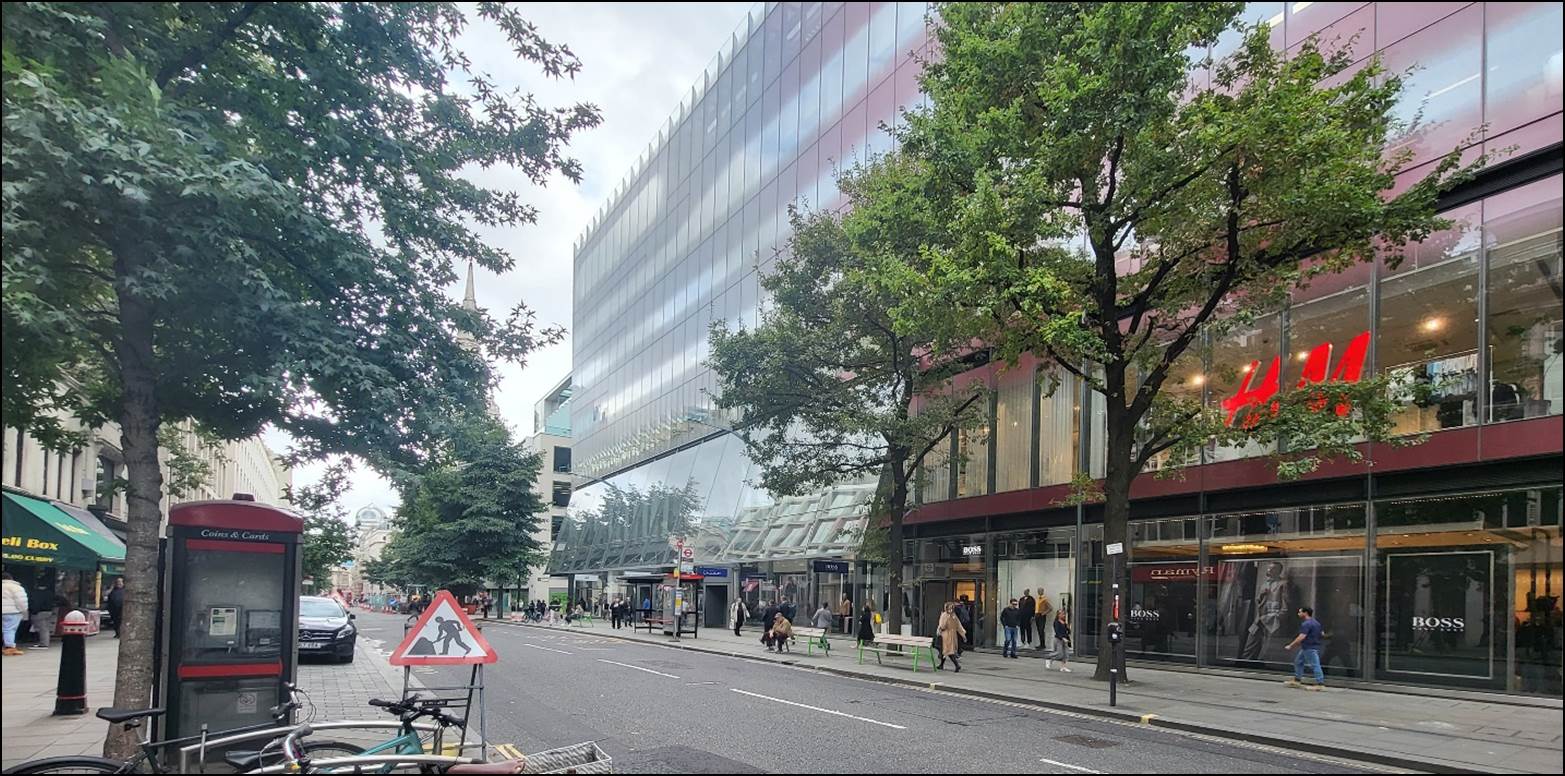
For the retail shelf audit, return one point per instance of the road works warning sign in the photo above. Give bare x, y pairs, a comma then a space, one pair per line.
443, 636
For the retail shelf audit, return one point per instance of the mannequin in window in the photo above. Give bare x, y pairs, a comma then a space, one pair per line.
1271, 605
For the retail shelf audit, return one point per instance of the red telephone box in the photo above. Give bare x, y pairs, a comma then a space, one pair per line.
233, 619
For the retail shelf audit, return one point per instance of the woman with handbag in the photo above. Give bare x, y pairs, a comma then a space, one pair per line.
951, 634
1062, 641
867, 624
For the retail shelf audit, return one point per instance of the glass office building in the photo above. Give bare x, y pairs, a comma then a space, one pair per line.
1438, 563
798, 92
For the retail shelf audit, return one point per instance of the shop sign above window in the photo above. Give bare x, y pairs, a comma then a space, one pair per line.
1257, 395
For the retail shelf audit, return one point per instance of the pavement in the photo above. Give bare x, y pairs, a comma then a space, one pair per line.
1422, 732
29, 731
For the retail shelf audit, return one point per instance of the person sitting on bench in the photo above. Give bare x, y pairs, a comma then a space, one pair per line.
777, 636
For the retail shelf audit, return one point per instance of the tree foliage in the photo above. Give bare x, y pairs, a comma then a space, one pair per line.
328, 539
471, 516
1111, 215
245, 213
829, 387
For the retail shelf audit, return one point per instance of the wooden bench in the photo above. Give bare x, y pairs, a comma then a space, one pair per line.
897, 645
813, 637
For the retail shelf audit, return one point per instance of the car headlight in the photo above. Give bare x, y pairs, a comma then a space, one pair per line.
345, 631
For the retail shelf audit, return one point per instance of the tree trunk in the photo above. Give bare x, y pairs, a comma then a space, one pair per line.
1116, 529
897, 505
139, 421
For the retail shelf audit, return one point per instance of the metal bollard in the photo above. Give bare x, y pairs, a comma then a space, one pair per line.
70, 695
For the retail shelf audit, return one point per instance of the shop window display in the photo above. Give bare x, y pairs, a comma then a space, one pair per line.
1526, 331
1037, 564
1466, 581
1427, 337
1160, 618
1265, 565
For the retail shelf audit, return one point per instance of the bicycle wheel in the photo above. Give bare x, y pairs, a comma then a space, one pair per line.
81, 764
316, 750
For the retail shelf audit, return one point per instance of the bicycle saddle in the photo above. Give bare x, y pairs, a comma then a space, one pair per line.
518, 765
125, 715
243, 760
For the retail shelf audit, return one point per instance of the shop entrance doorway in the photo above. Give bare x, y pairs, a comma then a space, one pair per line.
935, 595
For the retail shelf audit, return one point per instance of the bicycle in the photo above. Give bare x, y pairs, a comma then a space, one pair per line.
298, 759
408, 741
150, 760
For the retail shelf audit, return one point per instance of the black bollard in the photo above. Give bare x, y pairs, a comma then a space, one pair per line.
70, 697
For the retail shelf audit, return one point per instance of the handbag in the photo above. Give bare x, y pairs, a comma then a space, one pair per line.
877, 618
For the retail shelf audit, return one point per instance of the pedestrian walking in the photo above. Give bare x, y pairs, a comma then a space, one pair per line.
1308, 643
823, 618
789, 609
769, 612
949, 635
485, 603
1010, 619
964, 613
737, 613
845, 614
1062, 642
43, 620
117, 604
13, 609
1027, 611
867, 624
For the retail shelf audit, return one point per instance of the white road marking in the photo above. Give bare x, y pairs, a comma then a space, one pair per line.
817, 708
546, 649
1067, 765
638, 668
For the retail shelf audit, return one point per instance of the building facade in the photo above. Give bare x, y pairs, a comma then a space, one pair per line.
798, 91
1434, 564
85, 477
551, 439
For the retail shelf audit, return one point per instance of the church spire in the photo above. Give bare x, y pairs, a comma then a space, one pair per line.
470, 300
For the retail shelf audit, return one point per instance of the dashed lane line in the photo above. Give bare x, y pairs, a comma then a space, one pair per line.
817, 708
638, 668
1067, 765
546, 649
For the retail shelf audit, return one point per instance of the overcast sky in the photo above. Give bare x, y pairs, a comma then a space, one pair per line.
638, 61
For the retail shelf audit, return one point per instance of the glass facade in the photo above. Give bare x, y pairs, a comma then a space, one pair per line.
1459, 590
1469, 328
798, 92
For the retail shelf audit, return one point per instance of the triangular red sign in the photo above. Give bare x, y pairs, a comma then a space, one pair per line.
443, 636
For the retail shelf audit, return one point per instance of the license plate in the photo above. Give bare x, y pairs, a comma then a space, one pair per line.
313, 645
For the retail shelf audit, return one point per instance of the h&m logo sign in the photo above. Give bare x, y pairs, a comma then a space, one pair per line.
1440, 624
1259, 395
30, 543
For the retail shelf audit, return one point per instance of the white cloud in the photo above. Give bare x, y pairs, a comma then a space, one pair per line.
639, 61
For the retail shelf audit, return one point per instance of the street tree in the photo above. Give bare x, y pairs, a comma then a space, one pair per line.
328, 538
829, 387
245, 213
471, 515
1111, 215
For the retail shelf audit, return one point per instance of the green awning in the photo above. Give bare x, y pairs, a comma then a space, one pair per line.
37, 533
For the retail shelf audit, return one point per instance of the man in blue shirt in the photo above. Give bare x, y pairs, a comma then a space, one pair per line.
1309, 642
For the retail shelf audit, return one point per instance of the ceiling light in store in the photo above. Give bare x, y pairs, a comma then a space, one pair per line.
1432, 324
1239, 548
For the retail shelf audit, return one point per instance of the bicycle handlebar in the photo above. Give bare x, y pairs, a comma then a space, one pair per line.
291, 749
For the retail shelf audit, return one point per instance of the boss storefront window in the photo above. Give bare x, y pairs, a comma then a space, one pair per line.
1468, 590
1265, 565
1161, 618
